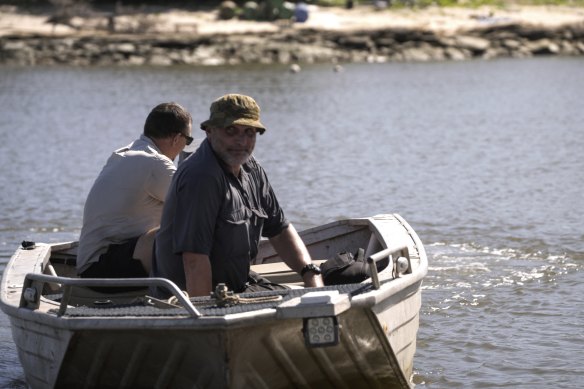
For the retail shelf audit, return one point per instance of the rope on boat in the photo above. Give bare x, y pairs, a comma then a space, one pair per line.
223, 297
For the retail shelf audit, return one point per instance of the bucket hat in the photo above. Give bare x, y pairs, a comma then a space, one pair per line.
234, 109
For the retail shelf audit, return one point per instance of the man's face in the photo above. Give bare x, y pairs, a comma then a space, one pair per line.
233, 144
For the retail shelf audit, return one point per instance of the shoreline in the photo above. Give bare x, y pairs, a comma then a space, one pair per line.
333, 35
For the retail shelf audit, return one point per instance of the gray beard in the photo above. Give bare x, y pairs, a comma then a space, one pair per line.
234, 161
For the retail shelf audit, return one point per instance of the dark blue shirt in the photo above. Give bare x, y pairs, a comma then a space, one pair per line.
210, 211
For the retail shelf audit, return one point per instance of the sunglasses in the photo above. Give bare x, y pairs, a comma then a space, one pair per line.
188, 138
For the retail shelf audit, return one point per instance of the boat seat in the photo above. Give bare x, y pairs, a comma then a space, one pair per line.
280, 273
90, 297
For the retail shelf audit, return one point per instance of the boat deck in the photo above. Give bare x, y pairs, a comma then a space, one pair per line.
207, 306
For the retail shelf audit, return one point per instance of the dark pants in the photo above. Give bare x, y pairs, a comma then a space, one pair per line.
117, 262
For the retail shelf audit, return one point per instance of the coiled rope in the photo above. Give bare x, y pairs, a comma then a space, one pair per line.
223, 297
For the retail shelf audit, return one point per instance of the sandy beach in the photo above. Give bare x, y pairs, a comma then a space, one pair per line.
364, 17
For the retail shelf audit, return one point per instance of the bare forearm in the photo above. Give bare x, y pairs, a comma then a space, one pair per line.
291, 249
294, 253
197, 274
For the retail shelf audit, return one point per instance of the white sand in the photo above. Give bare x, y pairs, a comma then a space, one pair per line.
362, 17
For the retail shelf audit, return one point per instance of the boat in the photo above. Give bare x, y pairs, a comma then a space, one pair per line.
354, 335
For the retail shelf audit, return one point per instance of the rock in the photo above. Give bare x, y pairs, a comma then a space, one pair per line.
14, 46
291, 45
126, 48
511, 43
356, 42
535, 33
216, 61
567, 48
159, 60
577, 31
384, 42
284, 56
415, 54
542, 47
205, 53
134, 60
472, 43
455, 54
17, 53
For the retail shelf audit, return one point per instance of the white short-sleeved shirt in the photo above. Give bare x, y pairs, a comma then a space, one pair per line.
126, 199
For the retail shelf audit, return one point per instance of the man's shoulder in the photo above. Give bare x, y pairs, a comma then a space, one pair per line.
144, 150
152, 160
203, 159
200, 166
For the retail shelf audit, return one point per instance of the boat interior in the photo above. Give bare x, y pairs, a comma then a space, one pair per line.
68, 295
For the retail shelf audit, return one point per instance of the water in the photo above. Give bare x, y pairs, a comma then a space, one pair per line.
482, 158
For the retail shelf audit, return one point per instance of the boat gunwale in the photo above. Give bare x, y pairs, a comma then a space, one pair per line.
176, 321
367, 300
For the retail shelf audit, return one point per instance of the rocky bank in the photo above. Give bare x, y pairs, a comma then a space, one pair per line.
483, 35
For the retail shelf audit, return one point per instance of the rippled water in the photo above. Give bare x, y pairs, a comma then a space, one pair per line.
483, 158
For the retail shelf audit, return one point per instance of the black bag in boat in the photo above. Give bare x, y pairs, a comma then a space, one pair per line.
257, 283
346, 268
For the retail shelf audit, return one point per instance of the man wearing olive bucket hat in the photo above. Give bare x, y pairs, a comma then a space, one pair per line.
218, 207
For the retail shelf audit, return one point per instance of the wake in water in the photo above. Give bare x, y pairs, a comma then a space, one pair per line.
499, 317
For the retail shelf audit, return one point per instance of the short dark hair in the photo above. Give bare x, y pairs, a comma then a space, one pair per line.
167, 119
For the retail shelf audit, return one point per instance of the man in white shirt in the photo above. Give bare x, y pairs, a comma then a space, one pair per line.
124, 206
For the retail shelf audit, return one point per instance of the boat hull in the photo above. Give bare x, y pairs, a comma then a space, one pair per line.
273, 355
